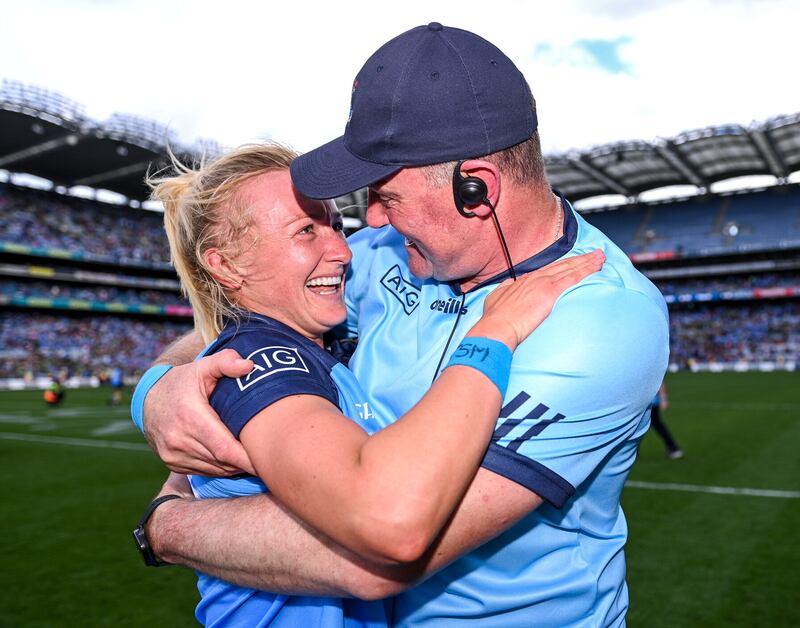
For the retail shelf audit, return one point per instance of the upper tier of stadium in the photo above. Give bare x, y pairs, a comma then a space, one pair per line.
47, 135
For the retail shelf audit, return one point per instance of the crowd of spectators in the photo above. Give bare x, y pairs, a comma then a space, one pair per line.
44, 219
764, 331
729, 283
34, 344
87, 292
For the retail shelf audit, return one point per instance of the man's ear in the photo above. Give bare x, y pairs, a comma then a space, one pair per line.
489, 173
222, 269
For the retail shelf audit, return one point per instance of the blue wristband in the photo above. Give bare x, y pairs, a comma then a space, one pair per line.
490, 357
148, 380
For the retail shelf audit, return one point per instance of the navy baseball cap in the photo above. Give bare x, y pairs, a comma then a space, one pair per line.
431, 95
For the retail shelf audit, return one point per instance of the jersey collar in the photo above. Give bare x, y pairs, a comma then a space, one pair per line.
246, 320
556, 250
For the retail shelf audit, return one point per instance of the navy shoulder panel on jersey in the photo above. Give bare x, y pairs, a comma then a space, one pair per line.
532, 475
285, 363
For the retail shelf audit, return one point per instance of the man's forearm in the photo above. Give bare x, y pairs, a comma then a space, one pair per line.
255, 542
181, 351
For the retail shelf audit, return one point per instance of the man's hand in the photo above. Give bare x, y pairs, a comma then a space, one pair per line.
517, 307
181, 426
176, 484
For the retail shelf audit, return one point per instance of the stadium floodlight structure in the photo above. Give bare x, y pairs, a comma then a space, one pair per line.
206, 149
127, 131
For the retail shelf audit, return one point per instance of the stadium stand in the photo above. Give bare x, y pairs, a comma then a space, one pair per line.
43, 220
765, 334
744, 219
708, 225
86, 286
728, 269
35, 346
728, 311
95, 294
74, 256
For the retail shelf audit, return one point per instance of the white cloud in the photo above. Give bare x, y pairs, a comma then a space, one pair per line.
248, 70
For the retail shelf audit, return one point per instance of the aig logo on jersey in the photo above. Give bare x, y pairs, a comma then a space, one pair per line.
270, 360
401, 289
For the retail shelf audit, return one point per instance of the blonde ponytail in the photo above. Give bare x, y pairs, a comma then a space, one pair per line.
201, 212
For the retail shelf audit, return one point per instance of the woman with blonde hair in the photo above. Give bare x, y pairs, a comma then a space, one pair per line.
264, 269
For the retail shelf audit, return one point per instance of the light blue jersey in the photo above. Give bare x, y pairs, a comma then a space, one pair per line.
572, 418
115, 378
286, 364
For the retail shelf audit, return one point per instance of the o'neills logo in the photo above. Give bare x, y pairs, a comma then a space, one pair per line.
448, 306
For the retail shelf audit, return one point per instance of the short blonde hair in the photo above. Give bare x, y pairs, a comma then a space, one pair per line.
203, 210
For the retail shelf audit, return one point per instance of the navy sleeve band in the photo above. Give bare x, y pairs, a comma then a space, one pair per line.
239, 414
529, 473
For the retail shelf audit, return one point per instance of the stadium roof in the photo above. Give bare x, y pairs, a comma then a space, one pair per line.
700, 157
47, 135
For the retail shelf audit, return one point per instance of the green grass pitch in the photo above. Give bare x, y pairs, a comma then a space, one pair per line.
694, 558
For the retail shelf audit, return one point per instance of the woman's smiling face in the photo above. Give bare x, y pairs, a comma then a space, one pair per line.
295, 270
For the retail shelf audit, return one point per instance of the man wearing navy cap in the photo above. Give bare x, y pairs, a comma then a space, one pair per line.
443, 131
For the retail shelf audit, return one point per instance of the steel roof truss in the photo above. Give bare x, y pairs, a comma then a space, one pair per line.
615, 186
39, 149
768, 152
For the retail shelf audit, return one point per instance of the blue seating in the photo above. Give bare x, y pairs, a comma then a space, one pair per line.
718, 224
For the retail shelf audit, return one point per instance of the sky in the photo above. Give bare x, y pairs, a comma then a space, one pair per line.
602, 71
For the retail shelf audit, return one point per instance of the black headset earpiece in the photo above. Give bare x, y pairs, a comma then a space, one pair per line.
473, 191
468, 191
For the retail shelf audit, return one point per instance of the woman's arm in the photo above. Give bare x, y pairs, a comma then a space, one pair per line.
387, 496
194, 440
384, 497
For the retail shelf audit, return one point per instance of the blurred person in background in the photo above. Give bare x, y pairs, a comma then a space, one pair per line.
55, 392
659, 403
116, 381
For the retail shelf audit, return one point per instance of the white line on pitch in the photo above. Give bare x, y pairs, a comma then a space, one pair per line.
717, 490
78, 442
691, 488
115, 427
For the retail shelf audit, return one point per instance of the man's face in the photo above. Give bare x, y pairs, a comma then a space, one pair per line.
427, 217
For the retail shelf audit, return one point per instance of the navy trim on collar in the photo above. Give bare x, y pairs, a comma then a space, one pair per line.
253, 321
556, 250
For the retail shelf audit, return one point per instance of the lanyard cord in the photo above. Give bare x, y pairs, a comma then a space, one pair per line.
452, 331
503, 244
